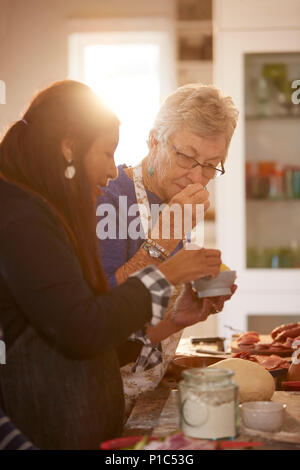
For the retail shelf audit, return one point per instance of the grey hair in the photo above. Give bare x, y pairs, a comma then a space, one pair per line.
201, 109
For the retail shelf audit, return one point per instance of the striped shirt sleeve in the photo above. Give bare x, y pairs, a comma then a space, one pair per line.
11, 438
161, 291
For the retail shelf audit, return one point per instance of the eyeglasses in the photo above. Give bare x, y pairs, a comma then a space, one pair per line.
188, 163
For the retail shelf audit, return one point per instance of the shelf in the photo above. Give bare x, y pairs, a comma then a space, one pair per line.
195, 64
191, 71
274, 269
273, 118
202, 26
272, 200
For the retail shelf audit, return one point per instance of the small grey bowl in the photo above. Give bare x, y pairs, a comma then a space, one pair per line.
265, 416
220, 285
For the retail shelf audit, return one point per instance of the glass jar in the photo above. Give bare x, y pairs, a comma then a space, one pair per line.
208, 404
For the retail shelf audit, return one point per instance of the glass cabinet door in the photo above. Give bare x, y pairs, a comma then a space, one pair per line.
272, 154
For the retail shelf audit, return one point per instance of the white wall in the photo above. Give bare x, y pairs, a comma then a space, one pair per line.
33, 41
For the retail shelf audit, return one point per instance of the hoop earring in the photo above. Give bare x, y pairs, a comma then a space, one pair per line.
70, 171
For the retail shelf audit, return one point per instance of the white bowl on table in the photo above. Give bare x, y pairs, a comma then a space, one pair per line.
262, 415
213, 287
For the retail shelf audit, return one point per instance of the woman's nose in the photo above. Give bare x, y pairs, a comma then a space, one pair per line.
196, 175
113, 171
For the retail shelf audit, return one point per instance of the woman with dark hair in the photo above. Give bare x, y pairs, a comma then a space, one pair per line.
62, 326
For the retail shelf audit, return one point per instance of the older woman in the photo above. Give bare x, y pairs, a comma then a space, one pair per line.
188, 145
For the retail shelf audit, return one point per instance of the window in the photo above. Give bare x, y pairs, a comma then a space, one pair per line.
132, 71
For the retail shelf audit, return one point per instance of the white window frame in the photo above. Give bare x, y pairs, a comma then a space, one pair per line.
161, 31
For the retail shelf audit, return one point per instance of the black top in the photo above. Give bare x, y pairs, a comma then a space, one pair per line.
60, 338
41, 283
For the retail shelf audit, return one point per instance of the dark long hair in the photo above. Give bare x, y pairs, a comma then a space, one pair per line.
31, 157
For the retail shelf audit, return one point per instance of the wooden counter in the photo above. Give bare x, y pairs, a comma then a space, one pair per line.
156, 413
147, 410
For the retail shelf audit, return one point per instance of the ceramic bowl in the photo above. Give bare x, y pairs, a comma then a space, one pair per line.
220, 285
262, 415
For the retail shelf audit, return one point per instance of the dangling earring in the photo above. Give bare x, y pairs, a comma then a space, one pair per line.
150, 171
70, 171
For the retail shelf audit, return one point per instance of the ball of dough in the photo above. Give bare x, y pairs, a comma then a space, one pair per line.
254, 381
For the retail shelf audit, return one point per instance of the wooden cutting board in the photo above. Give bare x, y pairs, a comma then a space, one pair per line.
264, 352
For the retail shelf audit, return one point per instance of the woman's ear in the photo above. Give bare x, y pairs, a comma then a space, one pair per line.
67, 150
153, 143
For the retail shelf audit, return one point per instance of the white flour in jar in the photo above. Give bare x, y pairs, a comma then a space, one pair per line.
205, 421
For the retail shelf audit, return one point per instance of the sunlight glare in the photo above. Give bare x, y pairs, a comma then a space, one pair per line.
126, 77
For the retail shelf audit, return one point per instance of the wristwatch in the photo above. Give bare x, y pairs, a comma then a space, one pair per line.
155, 250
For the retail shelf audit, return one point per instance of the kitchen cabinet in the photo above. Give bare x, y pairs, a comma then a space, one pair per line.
194, 38
258, 227
194, 51
193, 26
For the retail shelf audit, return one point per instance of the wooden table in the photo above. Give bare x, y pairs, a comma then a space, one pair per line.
156, 413
148, 408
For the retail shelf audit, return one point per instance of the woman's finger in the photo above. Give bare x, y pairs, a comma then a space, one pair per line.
213, 261
193, 191
204, 310
188, 287
211, 252
234, 288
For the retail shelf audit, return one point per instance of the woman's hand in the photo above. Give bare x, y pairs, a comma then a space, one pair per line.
189, 309
189, 198
188, 265
183, 218
194, 193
